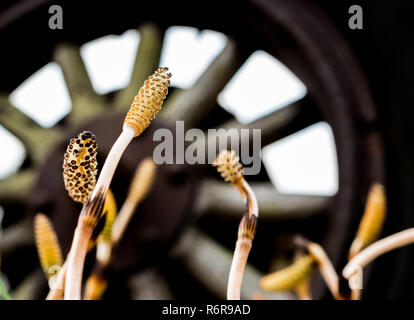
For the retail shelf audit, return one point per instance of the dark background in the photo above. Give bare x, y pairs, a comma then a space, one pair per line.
384, 48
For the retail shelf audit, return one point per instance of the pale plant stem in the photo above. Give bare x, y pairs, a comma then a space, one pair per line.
241, 253
326, 269
112, 160
355, 283
56, 293
302, 290
243, 244
252, 201
84, 233
378, 248
122, 220
75, 263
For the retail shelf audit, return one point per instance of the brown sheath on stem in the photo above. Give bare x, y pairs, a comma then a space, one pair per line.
88, 219
247, 230
231, 170
143, 109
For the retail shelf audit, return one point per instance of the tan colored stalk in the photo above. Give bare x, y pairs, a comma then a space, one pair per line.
58, 283
49, 253
247, 230
143, 109
372, 220
57, 286
47, 245
139, 188
303, 290
95, 286
290, 277
369, 229
325, 266
376, 249
326, 269
231, 170
356, 292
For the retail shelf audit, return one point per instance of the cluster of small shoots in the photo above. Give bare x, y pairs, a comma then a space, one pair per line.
369, 229
115, 227
79, 175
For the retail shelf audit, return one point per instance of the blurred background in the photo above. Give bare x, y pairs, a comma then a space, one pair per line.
332, 103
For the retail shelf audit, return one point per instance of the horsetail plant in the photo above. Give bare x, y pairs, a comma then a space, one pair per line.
143, 109
324, 264
140, 186
369, 229
377, 249
231, 170
79, 176
48, 248
290, 277
96, 283
372, 220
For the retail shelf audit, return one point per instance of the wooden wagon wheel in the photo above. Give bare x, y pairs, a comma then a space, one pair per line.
180, 226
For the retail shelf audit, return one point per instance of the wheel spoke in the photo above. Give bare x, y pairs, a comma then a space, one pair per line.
193, 104
30, 287
16, 187
210, 263
283, 122
17, 236
146, 61
222, 199
36, 139
150, 285
274, 126
86, 103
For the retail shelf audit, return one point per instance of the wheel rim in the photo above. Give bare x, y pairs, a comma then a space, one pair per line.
309, 46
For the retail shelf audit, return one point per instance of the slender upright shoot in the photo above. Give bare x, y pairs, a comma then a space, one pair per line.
139, 188
324, 265
372, 220
290, 277
231, 170
143, 109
